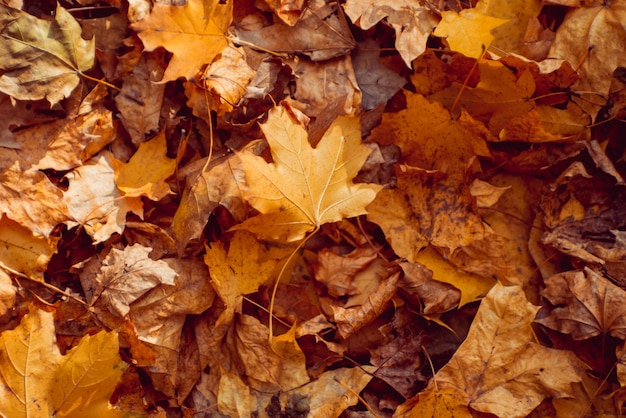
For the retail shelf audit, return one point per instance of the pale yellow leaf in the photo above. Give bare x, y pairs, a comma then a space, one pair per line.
305, 187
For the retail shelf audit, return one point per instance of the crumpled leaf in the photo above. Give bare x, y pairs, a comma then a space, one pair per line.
195, 34
333, 392
319, 34
146, 172
586, 305
305, 187
95, 202
123, 277
42, 59
412, 21
204, 191
468, 32
498, 369
281, 363
39, 381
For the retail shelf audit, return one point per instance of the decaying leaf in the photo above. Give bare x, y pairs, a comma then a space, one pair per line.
412, 21
42, 59
39, 381
305, 187
586, 305
498, 369
124, 277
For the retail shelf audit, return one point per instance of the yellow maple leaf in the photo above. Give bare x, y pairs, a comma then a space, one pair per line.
468, 32
195, 34
147, 170
37, 381
237, 271
305, 187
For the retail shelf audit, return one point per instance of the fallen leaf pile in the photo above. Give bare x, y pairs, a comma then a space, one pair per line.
237, 208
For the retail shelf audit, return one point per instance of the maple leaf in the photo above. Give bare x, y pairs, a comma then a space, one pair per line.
468, 32
147, 170
587, 305
238, 271
305, 187
498, 369
194, 33
38, 381
41, 58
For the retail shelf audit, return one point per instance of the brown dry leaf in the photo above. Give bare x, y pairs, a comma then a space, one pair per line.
17, 113
586, 305
319, 84
159, 314
331, 394
319, 33
486, 194
237, 271
228, 77
413, 22
429, 295
279, 365
399, 358
39, 382
23, 253
94, 201
30, 199
583, 214
140, 100
147, 171
498, 369
123, 277
377, 82
582, 40
305, 187
42, 59
337, 271
204, 191
351, 317
195, 34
